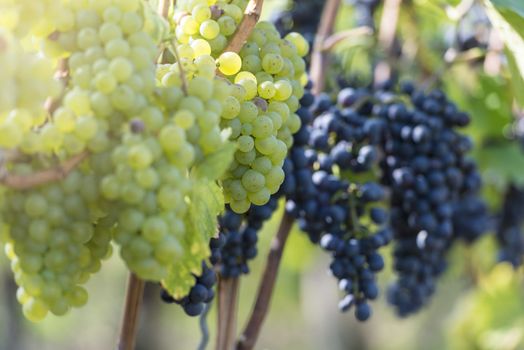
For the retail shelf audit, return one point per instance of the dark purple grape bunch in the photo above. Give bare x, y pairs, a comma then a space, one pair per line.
510, 235
426, 167
239, 237
330, 209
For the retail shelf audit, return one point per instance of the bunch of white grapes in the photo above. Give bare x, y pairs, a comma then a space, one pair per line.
140, 135
155, 117
52, 243
266, 81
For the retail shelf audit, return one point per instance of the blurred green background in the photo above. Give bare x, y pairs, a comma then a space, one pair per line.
478, 304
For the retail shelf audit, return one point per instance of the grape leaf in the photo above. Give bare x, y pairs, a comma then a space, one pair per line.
215, 165
206, 201
503, 163
516, 6
511, 27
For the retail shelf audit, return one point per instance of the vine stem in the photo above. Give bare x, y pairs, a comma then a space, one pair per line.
319, 58
204, 329
227, 312
386, 38
133, 301
336, 38
266, 286
250, 19
163, 8
24, 182
62, 75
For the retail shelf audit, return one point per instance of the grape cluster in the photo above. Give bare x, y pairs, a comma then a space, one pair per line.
509, 227
266, 84
331, 210
269, 90
239, 234
213, 22
426, 167
139, 132
52, 242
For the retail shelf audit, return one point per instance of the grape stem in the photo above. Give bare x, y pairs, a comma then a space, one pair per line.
227, 312
265, 289
174, 50
336, 38
319, 57
250, 19
204, 329
24, 182
134, 294
62, 75
163, 8
386, 38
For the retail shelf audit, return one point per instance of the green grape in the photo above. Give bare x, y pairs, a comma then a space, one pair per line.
300, 43
272, 63
260, 197
283, 90
262, 127
227, 25
209, 29
266, 90
245, 143
229, 63
253, 181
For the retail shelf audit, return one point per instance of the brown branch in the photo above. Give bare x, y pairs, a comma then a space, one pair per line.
163, 8
265, 289
336, 38
23, 182
62, 75
386, 38
250, 19
319, 58
227, 312
174, 50
134, 294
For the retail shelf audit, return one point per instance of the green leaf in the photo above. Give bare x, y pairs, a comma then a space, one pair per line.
207, 201
513, 5
215, 165
511, 27
503, 163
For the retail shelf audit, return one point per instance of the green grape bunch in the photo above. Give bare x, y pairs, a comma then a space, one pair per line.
266, 80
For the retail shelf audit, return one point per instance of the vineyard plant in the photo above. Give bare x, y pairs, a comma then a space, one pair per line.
337, 174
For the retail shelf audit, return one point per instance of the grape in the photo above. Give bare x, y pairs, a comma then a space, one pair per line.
229, 63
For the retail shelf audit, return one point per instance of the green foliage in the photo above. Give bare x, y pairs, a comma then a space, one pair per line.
491, 317
512, 5
502, 164
511, 27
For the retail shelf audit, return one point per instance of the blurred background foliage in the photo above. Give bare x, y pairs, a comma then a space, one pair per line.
479, 303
